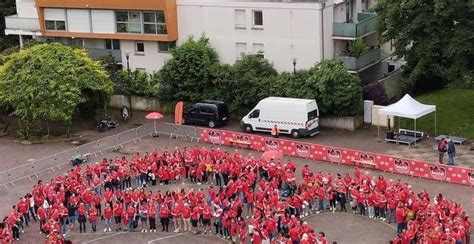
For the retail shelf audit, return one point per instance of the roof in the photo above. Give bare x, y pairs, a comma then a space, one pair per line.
408, 107
287, 100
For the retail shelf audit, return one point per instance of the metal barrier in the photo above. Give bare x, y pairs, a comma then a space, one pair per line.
95, 149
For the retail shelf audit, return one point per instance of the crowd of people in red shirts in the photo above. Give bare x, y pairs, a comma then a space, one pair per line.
246, 199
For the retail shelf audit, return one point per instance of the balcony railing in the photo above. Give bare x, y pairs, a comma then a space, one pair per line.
14, 22
357, 63
99, 52
367, 22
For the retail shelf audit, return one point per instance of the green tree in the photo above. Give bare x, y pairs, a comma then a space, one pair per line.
434, 37
338, 92
252, 79
190, 72
7, 7
48, 82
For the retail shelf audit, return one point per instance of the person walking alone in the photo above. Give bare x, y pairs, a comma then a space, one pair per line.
441, 149
451, 149
275, 131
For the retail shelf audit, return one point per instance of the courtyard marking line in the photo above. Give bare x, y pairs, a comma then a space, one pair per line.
166, 237
104, 237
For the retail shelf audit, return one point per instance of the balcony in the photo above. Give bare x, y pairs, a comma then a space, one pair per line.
366, 24
356, 64
15, 24
99, 52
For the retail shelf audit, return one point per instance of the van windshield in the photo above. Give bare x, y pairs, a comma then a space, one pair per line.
313, 114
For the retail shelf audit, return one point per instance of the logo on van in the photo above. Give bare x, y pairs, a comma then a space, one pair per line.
334, 155
271, 144
214, 137
302, 150
401, 166
438, 172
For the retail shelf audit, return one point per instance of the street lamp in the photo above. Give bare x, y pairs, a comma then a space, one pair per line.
294, 66
127, 56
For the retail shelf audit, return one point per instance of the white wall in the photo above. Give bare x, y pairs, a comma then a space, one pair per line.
290, 30
151, 61
26, 9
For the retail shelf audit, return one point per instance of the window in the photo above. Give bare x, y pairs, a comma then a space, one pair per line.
128, 22
240, 50
257, 18
75, 42
255, 114
313, 114
240, 21
112, 44
58, 25
258, 49
206, 110
166, 46
154, 22
140, 48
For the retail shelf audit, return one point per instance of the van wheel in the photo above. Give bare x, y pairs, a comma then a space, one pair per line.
211, 124
295, 134
248, 128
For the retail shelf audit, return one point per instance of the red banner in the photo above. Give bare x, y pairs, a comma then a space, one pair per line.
415, 168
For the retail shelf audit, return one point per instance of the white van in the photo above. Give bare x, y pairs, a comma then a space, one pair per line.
297, 117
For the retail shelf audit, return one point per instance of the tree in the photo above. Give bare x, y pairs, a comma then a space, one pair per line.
434, 37
338, 92
137, 83
7, 7
252, 79
190, 72
48, 81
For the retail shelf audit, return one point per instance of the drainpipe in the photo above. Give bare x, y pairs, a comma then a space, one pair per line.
322, 30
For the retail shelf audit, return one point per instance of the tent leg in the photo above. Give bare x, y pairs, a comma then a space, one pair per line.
415, 132
436, 133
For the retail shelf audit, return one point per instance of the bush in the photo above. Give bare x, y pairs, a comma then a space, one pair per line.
375, 92
251, 81
137, 83
338, 92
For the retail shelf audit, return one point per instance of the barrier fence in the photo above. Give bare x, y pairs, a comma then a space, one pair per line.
386, 163
94, 150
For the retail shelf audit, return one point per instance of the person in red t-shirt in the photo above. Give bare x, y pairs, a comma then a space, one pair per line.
118, 209
108, 218
152, 215
165, 217
186, 214
93, 219
400, 217
176, 213
81, 212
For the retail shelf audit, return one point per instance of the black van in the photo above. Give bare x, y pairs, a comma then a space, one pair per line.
209, 112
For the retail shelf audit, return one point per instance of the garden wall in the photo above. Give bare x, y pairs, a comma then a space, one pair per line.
345, 123
138, 103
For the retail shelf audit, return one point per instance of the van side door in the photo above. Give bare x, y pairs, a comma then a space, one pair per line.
254, 119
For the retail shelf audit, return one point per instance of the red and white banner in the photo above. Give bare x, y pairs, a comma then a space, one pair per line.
415, 168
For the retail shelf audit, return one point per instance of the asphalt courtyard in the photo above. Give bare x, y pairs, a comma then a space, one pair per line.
340, 227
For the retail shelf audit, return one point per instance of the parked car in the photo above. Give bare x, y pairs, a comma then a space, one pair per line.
209, 112
294, 116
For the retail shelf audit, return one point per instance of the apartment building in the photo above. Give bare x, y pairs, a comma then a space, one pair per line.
293, 34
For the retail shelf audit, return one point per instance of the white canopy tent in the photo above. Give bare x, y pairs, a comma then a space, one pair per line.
407, 107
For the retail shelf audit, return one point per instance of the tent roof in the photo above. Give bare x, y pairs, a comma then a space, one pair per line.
408, 107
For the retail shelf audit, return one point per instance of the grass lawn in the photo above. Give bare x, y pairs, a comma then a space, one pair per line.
455, 113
